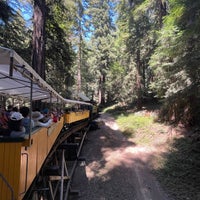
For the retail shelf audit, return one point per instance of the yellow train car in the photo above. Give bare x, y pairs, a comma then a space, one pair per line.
72, 117
22, 159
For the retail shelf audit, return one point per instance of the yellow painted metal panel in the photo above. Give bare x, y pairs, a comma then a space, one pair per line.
31, 152
41, 147
37, 152
16, 154
10, 169
76, 116
23, 173
20, 163
53, 133
66, 117
4, 190
2, 154
29, 160
12, 159
6, 167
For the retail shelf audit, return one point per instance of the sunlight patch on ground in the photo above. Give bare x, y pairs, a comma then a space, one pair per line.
124, 157
92, 169
112, 125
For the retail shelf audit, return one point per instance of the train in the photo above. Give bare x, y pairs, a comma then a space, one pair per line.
35, 167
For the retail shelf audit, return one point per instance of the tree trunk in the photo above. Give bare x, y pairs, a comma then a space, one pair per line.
5, 11
162, 6
38, 53
102, 89
139, 80
79, 64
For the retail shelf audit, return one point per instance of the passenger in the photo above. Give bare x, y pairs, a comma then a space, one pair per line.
15, 109
9, 111
37, 118
26, 121
15, 125
54, 115
3, 119
45, 112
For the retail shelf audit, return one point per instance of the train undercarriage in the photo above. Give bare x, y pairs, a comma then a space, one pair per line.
54, 179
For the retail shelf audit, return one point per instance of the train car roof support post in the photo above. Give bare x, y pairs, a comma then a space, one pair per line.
11, 64
31, 98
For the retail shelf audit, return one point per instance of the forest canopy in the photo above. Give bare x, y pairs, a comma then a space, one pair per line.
125, 51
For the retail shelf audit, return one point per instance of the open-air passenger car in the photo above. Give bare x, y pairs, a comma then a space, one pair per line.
21, 159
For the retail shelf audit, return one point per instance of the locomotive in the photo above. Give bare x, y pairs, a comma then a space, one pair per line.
35, 167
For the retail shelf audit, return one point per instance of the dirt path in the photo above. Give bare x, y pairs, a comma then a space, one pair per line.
115, 168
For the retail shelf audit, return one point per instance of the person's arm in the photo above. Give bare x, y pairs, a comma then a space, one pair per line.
41, 124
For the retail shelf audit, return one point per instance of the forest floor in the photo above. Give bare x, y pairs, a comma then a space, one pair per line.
115, 167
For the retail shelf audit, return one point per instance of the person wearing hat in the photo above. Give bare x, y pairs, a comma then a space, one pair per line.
15, 125
26, 121
37, 117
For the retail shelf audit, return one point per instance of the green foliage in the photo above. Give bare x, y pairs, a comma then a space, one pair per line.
140, 126
136, 125
179, 171
59, 53
133, 121
15, 34
175, 62
115, 76
148, 46
101, 44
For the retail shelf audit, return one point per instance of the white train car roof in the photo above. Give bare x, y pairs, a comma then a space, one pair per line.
17, 79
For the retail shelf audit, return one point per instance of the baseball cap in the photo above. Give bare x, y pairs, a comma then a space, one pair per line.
16, 116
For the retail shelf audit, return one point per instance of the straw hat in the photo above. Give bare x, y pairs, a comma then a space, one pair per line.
37, 115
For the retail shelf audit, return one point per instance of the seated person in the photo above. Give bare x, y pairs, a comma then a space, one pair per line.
9, 111
3, 123
45, 112
3, 119
38, 117
15, 125
54, 115
26, 121
15, 109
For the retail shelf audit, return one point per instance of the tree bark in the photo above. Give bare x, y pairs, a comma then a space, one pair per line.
139, 80
38, 53
162, 6
79, 86
102, 89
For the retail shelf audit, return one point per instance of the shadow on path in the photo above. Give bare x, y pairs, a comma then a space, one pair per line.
115, 168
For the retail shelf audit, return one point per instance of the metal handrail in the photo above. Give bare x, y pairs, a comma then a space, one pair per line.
26, 177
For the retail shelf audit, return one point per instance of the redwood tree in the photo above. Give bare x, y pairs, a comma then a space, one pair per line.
38, 53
